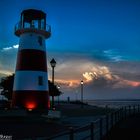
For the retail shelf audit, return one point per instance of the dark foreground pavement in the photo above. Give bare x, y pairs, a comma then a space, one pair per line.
29, 127
128, 129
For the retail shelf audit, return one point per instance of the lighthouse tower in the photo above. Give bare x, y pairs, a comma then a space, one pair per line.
30, 89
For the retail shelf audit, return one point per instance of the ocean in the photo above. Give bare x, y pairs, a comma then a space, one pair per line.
113, 103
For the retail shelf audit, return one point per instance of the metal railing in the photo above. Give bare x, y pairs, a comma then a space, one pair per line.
96, 129
19, 26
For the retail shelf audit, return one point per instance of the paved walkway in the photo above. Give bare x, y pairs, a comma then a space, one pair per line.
128, 129
36, 126
79, 121
26, 127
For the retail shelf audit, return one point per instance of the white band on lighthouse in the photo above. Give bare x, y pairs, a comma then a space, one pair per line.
32, 41
31, 80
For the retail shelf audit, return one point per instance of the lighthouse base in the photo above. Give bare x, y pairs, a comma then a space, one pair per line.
31, 100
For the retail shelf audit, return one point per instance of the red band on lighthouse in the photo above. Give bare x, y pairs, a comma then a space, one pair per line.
34, 60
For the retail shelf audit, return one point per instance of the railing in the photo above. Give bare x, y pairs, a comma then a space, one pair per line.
96, 129
19, 26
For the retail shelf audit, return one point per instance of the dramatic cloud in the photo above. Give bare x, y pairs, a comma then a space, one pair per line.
100, 77
89, 76
98, 71
106, 79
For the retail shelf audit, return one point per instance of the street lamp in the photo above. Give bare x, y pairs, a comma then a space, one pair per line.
58, 95
82, 83
53, 64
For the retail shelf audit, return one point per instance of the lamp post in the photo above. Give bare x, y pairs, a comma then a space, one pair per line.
53, 64
58, 95
82, 93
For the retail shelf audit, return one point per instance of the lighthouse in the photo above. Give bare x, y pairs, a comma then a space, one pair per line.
30, 89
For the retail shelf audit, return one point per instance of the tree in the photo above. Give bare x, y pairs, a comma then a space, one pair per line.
53, 89
7, 85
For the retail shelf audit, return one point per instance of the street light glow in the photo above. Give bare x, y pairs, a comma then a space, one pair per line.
58, 87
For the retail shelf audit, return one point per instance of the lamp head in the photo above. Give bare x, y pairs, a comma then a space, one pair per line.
53, 62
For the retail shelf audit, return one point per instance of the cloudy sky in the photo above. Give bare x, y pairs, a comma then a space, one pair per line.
97, 41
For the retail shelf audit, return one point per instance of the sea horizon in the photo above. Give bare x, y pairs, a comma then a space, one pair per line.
113, 103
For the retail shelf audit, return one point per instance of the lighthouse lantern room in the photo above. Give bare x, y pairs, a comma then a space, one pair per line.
31, 78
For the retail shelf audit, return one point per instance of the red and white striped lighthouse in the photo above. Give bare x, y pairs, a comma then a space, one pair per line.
31, 78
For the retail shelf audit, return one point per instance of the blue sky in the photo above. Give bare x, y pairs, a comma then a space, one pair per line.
78, 25
96, 35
